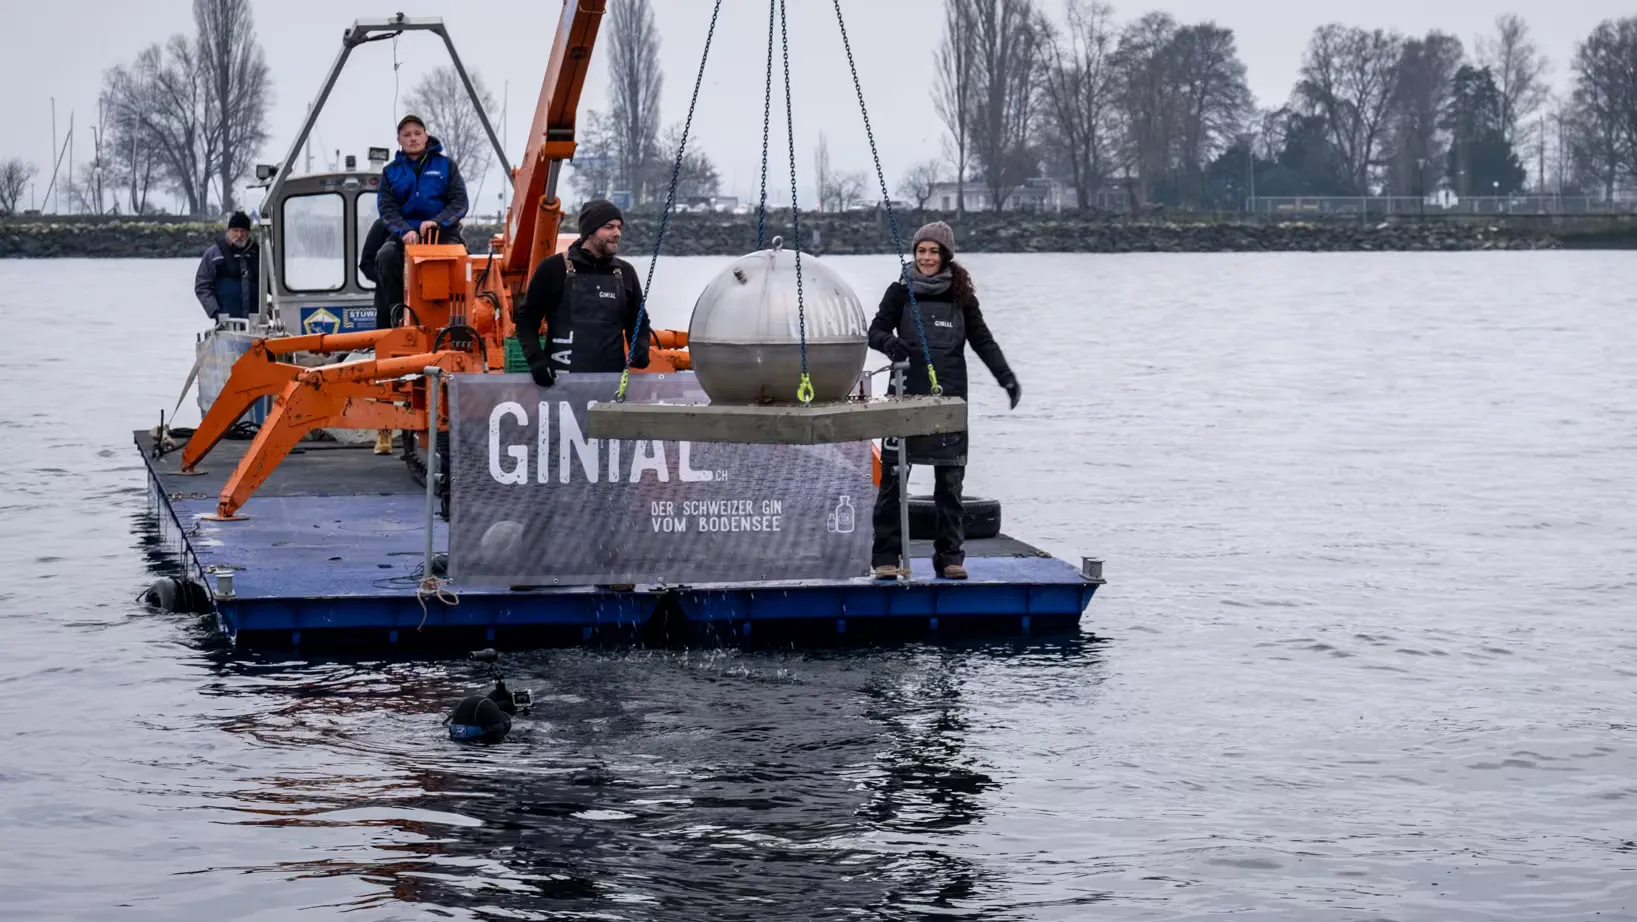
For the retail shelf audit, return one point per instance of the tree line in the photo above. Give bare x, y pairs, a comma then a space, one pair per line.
1161, 109
188, 117
1151, 112
1157, 112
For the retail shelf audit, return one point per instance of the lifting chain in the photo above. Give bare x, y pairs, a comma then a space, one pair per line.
670, 199
804, 390
886, 201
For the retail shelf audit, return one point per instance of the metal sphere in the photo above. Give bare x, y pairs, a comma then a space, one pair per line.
745, 335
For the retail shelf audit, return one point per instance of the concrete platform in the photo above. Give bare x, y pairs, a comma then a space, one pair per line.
330, 553
779, 424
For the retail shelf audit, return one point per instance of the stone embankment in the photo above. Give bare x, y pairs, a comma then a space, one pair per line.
45, 237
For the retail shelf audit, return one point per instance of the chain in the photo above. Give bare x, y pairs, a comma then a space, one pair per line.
670, 199
767, 113
886, 201
804, 390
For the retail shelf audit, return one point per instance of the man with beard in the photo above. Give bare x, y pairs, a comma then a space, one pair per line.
588, 298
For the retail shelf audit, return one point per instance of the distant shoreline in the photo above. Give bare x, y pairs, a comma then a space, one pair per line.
53, 237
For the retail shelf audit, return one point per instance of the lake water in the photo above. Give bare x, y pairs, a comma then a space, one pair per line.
1368, 649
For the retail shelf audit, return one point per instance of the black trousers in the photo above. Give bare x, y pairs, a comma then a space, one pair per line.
950, 536
389, 275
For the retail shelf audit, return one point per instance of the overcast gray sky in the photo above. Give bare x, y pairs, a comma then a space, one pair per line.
61, 47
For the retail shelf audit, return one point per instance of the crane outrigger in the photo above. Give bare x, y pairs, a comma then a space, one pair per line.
458, 307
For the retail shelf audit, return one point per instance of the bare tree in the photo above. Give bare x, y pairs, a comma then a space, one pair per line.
636, 81
1214, 103
441, 99
176, 118
1520, 73
132, 162
834, 190
1603, 117
1147, 97
953, 95
595, 164
1077, 90
698, 178
823, 177
918, 182
1425, 85
237, 86
1006, 50
15, 174
1349, 76
848, 189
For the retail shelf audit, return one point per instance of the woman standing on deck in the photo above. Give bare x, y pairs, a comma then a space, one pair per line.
951, 318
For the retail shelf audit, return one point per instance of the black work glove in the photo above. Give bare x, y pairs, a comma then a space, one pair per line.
640, 360
896, 349
542, 372
1014, 390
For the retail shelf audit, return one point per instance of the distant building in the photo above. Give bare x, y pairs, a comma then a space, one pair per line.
1039, 194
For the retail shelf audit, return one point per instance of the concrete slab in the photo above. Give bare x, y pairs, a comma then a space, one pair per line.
778, 424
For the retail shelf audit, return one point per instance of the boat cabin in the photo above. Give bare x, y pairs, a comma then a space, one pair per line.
313, 229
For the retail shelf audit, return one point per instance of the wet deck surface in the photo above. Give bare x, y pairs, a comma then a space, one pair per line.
338, 520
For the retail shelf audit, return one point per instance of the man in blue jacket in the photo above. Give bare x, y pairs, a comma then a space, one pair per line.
227, 283
421, 200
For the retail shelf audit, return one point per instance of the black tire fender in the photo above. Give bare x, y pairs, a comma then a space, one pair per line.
982, 517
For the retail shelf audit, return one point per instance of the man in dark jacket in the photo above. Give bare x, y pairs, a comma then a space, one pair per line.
950, 320
228, 280
422, 196
588, 298
373, 241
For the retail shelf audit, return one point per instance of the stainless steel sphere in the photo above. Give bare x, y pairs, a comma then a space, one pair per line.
745, 335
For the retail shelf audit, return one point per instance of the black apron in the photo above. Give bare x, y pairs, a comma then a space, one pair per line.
595, 338
945, 325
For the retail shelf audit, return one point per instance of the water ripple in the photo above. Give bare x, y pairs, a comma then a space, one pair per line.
1366, 652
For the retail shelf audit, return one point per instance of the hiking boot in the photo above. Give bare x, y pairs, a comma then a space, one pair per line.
953, 571
888, 571
383, 441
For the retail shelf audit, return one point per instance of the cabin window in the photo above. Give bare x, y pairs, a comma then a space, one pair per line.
367, 213
315, 246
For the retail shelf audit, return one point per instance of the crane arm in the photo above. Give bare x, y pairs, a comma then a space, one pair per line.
536, 212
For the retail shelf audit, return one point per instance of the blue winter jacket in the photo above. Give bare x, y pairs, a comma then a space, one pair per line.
428, 188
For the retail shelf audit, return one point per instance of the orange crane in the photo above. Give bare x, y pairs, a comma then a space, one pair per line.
458, 306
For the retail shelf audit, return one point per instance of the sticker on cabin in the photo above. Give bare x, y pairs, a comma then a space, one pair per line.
332, 319
533, 501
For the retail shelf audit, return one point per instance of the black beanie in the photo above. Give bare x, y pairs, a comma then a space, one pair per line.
595, 214
239, 219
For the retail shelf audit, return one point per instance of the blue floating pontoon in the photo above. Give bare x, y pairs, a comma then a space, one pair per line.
330, 555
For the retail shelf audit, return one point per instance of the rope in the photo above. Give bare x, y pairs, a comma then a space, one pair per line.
670, 199
886, 200
395, 65
767, 113
432, 585
804, 390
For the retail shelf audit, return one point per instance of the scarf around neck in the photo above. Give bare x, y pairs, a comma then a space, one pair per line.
929, 284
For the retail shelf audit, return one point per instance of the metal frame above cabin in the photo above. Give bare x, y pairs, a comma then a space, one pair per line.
375, 30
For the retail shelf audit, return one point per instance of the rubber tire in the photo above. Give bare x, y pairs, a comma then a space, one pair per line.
982, 517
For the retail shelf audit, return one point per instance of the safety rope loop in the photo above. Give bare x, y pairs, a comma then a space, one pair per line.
886, 201
804, 391
767, 117
670, 200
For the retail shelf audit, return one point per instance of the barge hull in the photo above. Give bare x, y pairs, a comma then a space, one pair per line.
330, 554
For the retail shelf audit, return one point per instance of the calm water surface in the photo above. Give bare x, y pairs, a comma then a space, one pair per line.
1369, 648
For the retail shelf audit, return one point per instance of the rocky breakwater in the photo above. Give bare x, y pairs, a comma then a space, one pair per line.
865, 232
105, 239
869, 233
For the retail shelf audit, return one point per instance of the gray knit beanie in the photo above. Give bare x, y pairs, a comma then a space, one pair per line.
938, 232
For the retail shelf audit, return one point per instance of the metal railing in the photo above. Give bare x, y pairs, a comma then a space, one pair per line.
1436, 205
